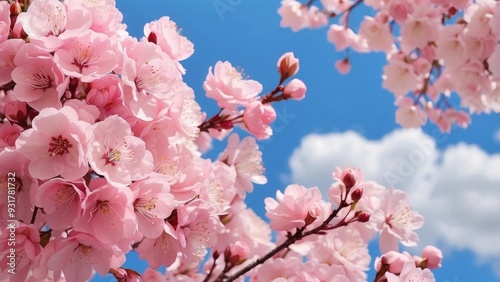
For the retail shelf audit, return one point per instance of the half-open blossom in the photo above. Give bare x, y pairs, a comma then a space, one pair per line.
55, 150
229, 88
411, 273
116, 154
295, 89
291, 208
257, 118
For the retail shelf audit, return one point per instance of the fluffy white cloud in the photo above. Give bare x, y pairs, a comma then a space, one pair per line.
457, 190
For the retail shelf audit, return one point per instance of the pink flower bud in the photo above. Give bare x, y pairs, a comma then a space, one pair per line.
349, 180
363, 217
343, 66
295, 89
16, 111
288, 65
313, 213
395, 260
433, 257
239, 252
226, 124
356, 195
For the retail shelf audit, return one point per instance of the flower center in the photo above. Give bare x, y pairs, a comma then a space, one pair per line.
59, 146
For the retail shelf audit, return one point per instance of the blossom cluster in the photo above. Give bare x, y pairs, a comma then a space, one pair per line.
105, 141
434, 48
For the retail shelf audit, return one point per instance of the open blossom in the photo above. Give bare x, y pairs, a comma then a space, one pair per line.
27, 249
116, 154
88, 56
55, 150
152, 204
293, 14
227, 86
417, 31
291, 208
107, 212
411, 273
246, 159
47, 20
61, 201
257, 118
79, 254
396, 221
39, 80
409, 114
377, 35
399, 77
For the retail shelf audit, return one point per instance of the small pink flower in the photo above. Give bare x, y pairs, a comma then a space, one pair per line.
246, 159
378, 35
411, 273
399, 10
295, 89
227, 86
292, 207
78, 255
116, 154
343, 66
418, 31
8, 51
152, 204
88, 56
168, 37
107, 212
293, 14
399, 77
432, 256
61, 201
257, 118
341, 37
409, 114
396, 220
55, 150
395, 260
9, 132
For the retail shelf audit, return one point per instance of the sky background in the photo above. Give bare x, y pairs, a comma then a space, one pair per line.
346, 120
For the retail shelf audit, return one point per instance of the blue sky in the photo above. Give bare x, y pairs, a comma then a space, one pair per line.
354, 113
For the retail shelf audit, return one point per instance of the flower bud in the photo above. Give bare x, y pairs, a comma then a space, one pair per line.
349, 180
363, 217
432, 257
16, 111
295, 89
313, 213
343, 66
288, 65
356, 195
226, 124
239, 252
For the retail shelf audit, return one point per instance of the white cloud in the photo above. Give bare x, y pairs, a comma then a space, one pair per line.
457, 190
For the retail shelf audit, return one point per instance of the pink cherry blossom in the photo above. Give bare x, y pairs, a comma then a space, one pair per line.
432, 256
116, 154
152, 204
344, 247
27, 249
451, 46
295, 89
315, 18
377, 35
409, 114
396, 221
185, 111
246, 159
411, 273
9, 132
293, 14
55, 150
257, 118
8, 51
78, 255
168, 37
229, 88
4, 21
61, 201
419, 28
88, 56
341, 37
343, 66
106, 18
106, 94
399, 77
47, 20
396, 261
291, 208
107, 212
399, 10
39, 80
219, 190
